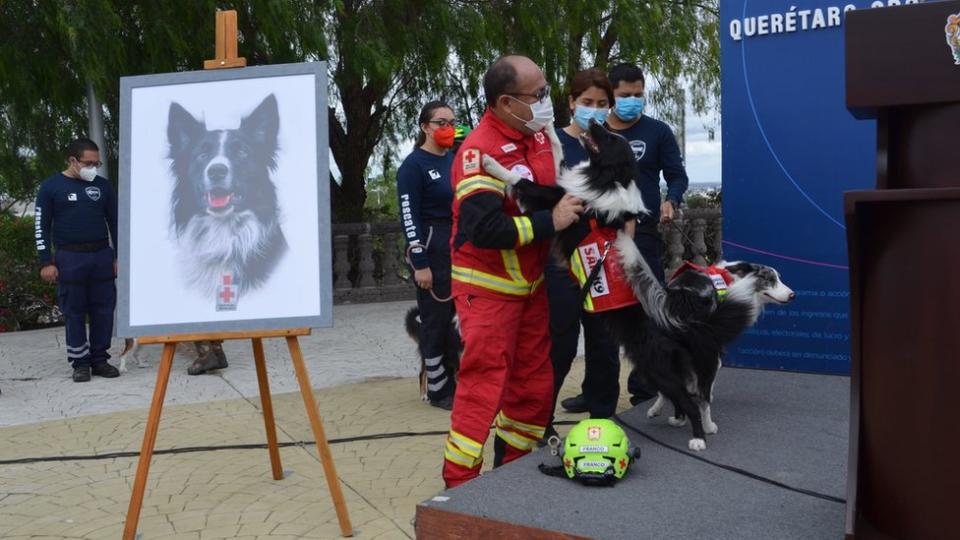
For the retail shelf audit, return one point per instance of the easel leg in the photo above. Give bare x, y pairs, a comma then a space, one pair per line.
267, 404
326, 459
149, 439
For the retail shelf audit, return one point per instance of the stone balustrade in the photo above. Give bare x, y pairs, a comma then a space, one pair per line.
369, 258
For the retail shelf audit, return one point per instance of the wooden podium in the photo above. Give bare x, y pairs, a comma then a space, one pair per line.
903, 472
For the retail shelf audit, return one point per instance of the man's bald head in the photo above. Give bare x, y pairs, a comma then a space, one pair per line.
507, 74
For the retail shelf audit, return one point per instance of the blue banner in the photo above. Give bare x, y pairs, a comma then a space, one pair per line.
790, 149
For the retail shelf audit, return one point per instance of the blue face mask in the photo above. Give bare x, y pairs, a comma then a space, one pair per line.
583, 114
629, 108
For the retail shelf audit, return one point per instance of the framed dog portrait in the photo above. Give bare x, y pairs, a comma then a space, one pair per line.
224, 201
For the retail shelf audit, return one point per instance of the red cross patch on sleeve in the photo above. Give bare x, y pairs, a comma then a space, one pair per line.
471, 161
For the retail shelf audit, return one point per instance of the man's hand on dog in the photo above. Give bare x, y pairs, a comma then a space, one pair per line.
566, 212
424, 278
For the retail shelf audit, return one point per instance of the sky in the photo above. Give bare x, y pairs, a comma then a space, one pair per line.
703, 155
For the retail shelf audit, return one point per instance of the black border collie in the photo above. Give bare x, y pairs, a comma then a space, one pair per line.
225, 213
604, 181
677, 334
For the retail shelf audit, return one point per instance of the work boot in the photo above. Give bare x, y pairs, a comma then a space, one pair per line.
105, 370
216, 347
207, 359
81, 373
576, 404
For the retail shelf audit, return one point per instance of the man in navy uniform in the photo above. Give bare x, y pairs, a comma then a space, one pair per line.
75, 211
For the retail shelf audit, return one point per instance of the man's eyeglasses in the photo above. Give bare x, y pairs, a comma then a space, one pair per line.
96, 164
540, 95
443, 122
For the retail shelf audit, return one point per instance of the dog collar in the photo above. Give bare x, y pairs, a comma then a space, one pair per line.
721, 277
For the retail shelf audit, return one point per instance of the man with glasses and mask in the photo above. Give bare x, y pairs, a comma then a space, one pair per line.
81, 209
498, 257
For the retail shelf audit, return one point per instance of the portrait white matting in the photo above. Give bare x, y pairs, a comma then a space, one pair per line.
224, 201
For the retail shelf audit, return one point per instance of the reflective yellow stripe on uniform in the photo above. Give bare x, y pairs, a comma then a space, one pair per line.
468, 445
462, 450
524, 230
521, 439
531, 429
576, 266
495, 283
478, 183
511, 263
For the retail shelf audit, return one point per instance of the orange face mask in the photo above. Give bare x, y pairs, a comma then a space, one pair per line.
444, 136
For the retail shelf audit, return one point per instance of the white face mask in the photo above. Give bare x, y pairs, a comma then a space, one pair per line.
542, 114
88, 173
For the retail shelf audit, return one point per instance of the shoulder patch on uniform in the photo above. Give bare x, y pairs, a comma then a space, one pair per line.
509, 147
471, 161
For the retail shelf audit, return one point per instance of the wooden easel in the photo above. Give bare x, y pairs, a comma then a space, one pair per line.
226, 50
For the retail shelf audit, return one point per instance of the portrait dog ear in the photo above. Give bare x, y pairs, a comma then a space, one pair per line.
263, 124
182, 129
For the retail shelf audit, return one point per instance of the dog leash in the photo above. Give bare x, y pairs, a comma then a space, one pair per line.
430, 290
689, 241
594, 272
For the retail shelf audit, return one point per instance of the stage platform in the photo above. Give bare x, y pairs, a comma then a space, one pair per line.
787, 428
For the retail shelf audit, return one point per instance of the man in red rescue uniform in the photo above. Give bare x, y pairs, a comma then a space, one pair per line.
498, 256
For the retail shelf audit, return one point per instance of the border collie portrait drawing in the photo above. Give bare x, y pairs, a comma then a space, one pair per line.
224, 209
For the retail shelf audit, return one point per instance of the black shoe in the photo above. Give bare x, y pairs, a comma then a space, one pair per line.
576, 404
105, 370
81, 373
445, 403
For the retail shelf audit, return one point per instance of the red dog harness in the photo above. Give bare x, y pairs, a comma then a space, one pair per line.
721, 277
609, 288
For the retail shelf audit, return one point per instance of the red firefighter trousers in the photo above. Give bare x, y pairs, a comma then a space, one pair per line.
505, 379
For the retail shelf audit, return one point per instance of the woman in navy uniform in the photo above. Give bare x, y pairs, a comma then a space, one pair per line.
423, 186
591, 97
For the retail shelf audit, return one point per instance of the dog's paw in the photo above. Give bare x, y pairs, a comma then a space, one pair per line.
494, 168
710, 428
677, 422
697, 445
123, 365
655, 409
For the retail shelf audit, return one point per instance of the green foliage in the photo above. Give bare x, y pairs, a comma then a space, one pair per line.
25, 300
386, 58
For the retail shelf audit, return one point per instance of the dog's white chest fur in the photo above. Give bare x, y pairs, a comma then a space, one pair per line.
211, 247
609, 203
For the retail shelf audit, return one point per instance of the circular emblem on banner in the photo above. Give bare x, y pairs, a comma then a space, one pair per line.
523, 171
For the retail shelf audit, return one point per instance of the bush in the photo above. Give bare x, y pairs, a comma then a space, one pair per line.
26, 302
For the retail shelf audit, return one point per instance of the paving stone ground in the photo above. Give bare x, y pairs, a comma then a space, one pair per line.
363, 372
